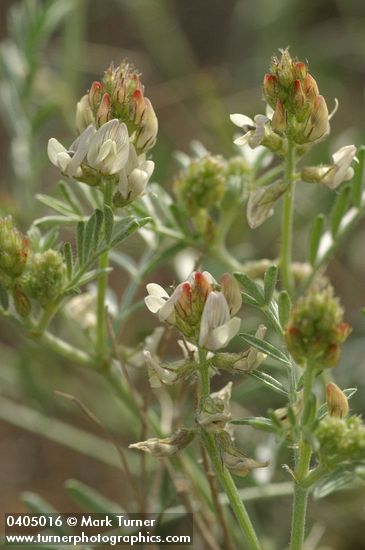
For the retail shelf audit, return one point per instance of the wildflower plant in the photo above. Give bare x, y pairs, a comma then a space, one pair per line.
107, 195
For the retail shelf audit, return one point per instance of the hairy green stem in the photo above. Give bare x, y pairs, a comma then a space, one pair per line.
301, 472
287, 221
101, 339
223, 475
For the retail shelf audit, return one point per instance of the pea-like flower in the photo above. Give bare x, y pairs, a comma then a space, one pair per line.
334, 174
200, 308
254, 130
169, 446
104, 151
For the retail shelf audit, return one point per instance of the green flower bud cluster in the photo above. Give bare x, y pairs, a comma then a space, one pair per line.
120, 95
316, 329
27, 276
208, 184
14, 251
341, 439
45, 277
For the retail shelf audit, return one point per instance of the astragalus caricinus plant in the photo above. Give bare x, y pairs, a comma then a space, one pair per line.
192, 416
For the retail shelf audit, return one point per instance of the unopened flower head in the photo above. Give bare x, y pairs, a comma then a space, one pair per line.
14, 251
316, 329
332, 175
202, 312
45, 278
291, 91
341, 440
120, 95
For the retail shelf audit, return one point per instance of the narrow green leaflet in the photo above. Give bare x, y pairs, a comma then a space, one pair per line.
126, 227
89, 237
258, 422
270, 281
56, 204
359, 178
265, 347
253, 289
67, 254
90, 499
284, 306
70, 197
80, 242
270, 382
342, 477
339, 208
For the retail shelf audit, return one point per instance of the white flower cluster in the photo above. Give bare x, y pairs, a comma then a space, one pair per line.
102, 153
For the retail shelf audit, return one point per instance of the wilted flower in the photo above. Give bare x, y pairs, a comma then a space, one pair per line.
332, 175
200, 311
162, 448
234, 459
215, 412
337, 403
157, 374
261, 201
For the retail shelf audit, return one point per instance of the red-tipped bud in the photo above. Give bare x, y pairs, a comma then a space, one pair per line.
310, 87
95, 94
300, 69
278, 121
138, 106
202, 286
270, 88
184, 304
103, 112
21, 302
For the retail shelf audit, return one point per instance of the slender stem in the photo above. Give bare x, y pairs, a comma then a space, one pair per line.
223, 475
63, 348
102, 288
301, 472
287, 221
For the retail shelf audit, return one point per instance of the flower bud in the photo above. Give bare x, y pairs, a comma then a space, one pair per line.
14, 251
337, 403
46, 276
146, 133
316, 329
278, 121
95, 94
103, 113
310, 87
270, 88
84, 114
300, 69
163, 448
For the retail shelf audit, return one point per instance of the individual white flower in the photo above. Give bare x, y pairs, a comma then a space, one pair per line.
333, 175
157, 374
217, 328
69, 160
109, 148
135, 175
254, 130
